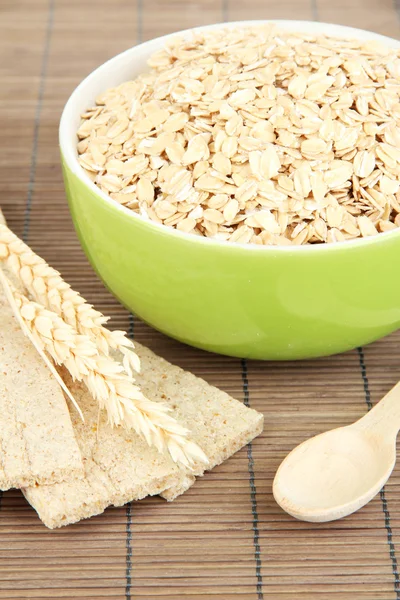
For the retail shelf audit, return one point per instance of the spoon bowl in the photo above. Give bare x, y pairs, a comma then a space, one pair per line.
335, 473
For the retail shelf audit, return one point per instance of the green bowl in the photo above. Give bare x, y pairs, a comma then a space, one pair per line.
241, 300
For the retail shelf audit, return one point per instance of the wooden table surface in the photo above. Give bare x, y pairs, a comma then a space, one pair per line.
225, 538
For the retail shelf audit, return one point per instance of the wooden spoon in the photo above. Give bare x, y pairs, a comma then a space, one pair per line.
335, 473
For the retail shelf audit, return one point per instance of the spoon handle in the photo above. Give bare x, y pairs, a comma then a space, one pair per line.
385, 416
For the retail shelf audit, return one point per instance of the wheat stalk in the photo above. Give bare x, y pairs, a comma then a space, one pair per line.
105, 378
48, 288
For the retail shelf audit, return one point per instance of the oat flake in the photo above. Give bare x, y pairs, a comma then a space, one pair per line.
254, 135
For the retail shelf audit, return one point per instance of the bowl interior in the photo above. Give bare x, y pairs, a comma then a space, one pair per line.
132, 62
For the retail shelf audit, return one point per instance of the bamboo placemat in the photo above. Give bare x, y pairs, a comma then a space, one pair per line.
226, 537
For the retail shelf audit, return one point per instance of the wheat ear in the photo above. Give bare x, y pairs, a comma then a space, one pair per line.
106, 380
47, 287
10, 297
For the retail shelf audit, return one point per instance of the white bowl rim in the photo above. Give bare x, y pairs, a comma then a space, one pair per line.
69, 151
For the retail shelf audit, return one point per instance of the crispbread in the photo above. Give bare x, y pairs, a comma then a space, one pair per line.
37, 443
180, 488
120, 466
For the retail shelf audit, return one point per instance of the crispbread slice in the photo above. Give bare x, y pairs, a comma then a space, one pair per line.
180, 488
37, 442
218, 450
121, 467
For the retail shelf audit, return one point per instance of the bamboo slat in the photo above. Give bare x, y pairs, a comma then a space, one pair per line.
226, 537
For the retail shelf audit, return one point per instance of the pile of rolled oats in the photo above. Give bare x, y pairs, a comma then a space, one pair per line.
255, 135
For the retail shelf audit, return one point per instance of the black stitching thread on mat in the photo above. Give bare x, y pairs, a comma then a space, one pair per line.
128, 551
225, 10
131, 335
128, 570
386, 513
252, 483
396, 6
253, 489
314, 10
139, 24
32, 171
246, 394
39, 105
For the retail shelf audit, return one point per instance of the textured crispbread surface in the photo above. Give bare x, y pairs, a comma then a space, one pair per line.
120, 467
180, 488
37, 443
